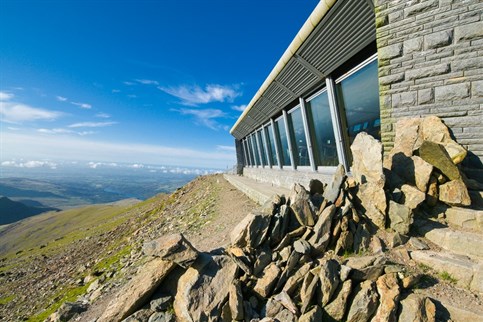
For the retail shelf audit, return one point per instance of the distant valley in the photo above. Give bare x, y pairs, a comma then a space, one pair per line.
26, 192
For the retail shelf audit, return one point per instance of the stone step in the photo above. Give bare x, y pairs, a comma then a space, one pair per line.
465, 218
467, 272
259, 192
459, 242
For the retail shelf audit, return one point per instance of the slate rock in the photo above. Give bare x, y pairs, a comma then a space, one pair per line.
412, 197
267, 282
454, 193
204, 287
314, 315
435, 154
236, 301
251, 231
175, 248
321, 236
333, 188
373, 200
336, 309
138, 290
417, 308
367, 159
364, 304
389, 291
316, 186
400, 217
329, 279
162, 317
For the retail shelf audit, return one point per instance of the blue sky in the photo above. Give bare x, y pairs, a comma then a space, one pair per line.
158, 82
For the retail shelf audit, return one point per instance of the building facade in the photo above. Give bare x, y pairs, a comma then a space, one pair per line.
359, 66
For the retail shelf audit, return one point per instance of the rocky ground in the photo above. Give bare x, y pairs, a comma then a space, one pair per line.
398, 240
34, 282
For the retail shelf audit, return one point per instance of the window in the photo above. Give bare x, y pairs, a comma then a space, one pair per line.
358, 98
282, 136
255, 149
262, 147
299, 141
250, 148
272, 151
324, 145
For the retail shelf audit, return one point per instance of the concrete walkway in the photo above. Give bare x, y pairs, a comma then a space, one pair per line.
260, 192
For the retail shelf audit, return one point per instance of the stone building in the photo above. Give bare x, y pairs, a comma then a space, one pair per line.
360, 65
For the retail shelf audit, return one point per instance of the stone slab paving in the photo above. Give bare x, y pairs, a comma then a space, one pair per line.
260, 192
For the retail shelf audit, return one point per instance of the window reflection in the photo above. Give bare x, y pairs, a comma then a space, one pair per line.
282, 136
297, 133
272, 152
325, 150
358, 96
255, 150
262, 147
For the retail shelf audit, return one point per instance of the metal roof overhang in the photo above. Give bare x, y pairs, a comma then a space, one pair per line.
334, 32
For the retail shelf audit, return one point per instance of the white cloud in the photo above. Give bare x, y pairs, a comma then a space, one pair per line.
147, 82
12, 112
84, 133
226, 148
33, 146
132, 96
55, 131
116, 90
128, 83
61, 98
204, 117
239, 108
30, 164
195, 95
82, 105
103, 115
91, 124
5, 96
137, 166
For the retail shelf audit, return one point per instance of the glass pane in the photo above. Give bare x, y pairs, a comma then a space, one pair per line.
250, 148
282, 136
271, 143
358, 94
262, 147
298, 138
255, 150
247, 152
325, 151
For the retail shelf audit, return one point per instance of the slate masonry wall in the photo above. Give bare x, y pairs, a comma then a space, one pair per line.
431, 62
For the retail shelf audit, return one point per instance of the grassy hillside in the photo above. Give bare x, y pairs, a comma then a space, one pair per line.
52, 258
12, 211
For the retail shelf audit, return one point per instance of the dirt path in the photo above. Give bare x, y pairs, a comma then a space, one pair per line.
231, 207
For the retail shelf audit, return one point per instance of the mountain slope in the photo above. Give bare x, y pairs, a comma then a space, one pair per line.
12, 211
52, 258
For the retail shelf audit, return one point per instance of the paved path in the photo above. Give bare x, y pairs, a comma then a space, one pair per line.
260, 192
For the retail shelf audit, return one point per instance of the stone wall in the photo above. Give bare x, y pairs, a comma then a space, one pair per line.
430, 62
286, 178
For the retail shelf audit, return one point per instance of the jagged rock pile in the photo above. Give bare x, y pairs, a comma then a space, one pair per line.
291, 260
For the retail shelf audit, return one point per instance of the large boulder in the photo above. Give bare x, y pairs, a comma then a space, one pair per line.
204, 287
138, 290
335, 310
267, 282
299, 203
436, 155
413, 170
454, 193
251, 231
373, 200
175, 248
367, 159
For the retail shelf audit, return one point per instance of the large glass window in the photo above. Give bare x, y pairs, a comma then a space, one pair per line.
272, 152
247, 152
325, 150
255, 150
299, 141
250, 148
282, 136
262, 147
358, 97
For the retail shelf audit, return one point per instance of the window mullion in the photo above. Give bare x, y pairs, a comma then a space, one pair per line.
305, 121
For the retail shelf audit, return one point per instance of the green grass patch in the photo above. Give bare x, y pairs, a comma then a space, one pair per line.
447, 277
6, 300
